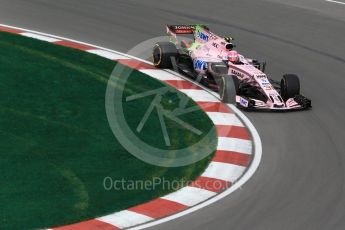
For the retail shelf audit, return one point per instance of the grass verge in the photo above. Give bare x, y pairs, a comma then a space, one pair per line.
56, 147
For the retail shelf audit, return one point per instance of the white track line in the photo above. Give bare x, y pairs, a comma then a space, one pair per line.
224, 119
160, 75
224, 171
106, 54
199, 95
332, 1
40, 37
235, 145
189, 196
125, 219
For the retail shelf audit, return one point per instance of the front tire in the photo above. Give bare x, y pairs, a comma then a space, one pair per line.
289, 86
228, 89
162, 54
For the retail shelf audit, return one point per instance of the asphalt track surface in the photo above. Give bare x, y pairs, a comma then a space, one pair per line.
300, 182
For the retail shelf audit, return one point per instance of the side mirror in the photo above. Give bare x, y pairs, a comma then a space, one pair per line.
229, 46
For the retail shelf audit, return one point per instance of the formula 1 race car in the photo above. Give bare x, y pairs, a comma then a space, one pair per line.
212, 61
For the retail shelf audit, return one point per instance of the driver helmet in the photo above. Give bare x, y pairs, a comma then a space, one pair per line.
233, 56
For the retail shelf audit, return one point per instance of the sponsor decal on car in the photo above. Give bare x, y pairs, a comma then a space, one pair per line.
244, 102
200, 64
181, 29
291, 103
241, 75
177, 27
261, 77
213, 36
202, 36
215, 45
266, 85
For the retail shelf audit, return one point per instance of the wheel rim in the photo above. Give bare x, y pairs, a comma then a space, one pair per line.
157, 57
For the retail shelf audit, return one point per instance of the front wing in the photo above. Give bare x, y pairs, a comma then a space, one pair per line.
299, 102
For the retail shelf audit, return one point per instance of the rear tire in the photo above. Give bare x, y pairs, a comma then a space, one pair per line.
162, 54
289, 86
228, 89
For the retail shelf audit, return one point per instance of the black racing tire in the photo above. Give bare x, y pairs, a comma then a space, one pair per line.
162, 53
228, 89
289, 86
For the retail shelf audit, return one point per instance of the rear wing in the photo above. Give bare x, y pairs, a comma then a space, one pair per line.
183, 29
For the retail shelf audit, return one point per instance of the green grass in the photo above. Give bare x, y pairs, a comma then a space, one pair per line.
56, 146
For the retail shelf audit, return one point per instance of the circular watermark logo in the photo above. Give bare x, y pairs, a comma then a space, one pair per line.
166, 105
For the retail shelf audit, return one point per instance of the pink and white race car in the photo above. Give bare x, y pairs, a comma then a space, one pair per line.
212, 61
